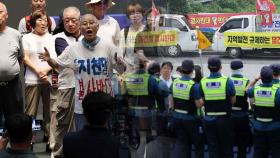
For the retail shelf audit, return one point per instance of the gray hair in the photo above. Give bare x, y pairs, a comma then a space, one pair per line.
72, 8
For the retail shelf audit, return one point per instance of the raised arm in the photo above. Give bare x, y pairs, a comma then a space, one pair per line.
46, 57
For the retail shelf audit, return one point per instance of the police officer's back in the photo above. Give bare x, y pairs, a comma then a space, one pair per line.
240, 114
186, 99
141, 89
266, 110
219, 96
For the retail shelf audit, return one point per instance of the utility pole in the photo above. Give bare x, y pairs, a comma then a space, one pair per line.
168, 6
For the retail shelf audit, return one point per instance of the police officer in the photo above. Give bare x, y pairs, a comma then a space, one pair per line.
276, 74
141, 89
266, 110
185, 97
219, 96
242, 131
160, 120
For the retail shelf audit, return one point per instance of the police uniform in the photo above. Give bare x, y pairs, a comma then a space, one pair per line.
160, 119
242, 130
276, 73
141, 89
217, 91
187, 123
266, 116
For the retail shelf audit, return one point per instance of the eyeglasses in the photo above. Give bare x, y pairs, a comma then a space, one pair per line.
73, 20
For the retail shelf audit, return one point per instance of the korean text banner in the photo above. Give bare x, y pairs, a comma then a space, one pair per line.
156, 38
252, 39
211, 20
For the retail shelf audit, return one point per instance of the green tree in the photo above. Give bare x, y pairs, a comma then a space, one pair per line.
216, 6
179, 6
277, 3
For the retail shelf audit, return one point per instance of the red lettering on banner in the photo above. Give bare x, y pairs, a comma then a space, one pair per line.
82, 90
103, 85
94, 88
156, 38
139, 39
163, 38
144, 39
211, 20
93, 85
88, 88
275, 40
172, 37
151, 38
99, 85
202, 20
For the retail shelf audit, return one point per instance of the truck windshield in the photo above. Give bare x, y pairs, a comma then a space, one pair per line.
187, 22
231, 24
169, 22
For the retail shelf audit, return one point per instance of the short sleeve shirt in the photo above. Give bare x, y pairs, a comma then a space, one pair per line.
92, 68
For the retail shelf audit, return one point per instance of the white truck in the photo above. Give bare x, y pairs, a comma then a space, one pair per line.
243, 23
187, 36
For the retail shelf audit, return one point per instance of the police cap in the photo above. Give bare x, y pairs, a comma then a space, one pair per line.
275, 68
236, 64
187, 65
266, 74
214, 63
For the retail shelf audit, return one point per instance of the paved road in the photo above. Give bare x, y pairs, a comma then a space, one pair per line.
252, 66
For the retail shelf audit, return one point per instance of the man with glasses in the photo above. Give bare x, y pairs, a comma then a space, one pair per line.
64, 112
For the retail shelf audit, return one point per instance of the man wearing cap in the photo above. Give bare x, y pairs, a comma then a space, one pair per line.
109, 28
265, 99
141, 89
94, 140
186, 99
242, 131
276, 74
219, 95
